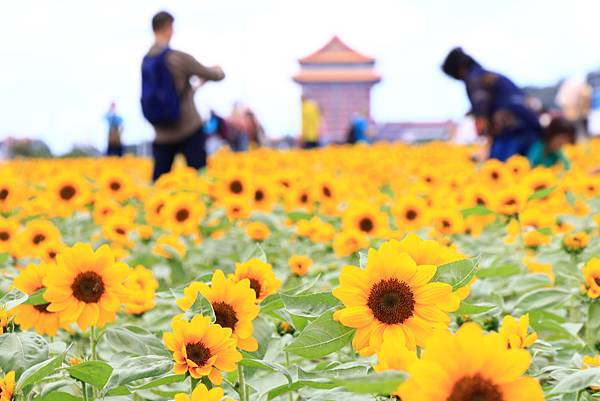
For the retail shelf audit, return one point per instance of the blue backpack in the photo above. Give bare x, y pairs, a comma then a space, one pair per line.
160, 101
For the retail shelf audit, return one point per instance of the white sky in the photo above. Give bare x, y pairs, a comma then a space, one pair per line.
63, 61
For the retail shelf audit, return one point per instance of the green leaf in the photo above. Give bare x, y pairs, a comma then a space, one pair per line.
37, 298
20, 351
162, 381
4, 258
297, 216
126, 341
58, 396
478, 210
268, 366
457, 274
578, 381
136, 368
95, 373
379, 383
499, 271
321, 337
540, 299
39, 371
310, 305
541, 194
201, 306
593, 322
257, 252
545, 231
471, 309
13, 298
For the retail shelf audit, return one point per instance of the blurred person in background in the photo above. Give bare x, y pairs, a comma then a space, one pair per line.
238, 128
498, 106
168, 99
548, 151
575, 99
115, 129
359, 129
256, 132
311, 123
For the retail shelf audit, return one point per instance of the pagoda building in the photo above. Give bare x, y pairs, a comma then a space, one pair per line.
339, 79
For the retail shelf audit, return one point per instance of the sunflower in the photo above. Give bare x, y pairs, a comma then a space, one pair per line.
113, 183
202, 393
8, 232
534, 266
234, 184
237, 208
103, 209
154, 206
145, 232
50, 250
182, 213
364, 217
576, 243
392, 299
299, 264
257, 231
87, 286
117, 229
494, 173
142, 285
535, 238
518, 165
348, 242
591, 275
169, 245
393, 357
7, 386
262, 279
516, 332
510, 201
539, 179
201, 348
11, 192
299, 198
448, 222
263, 196
68, 192
234, 305
410, 213
470, 366
3, 319
36, 233
39, 317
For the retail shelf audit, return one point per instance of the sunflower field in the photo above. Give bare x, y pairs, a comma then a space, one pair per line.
344, 273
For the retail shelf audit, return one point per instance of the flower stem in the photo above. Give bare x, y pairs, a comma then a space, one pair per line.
93, 341
84, 391
287, 365
242, 382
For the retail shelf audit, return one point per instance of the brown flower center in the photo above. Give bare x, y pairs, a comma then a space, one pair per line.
327, 192
480, 201
366, 224
115, 186
3, 193
446, 223
391, 301
4, 236
510, 202
495, 175
159, 207
42, 308
52, 254
39, 238
88, 287
259, 195
225, 315
475, 388
67, 192
597, 280
182, 215
198, 353
411, 214
539, 187
236, 187
120, 231
303, 198
255, 285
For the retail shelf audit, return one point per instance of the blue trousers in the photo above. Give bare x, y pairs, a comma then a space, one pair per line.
512, 143
192, 149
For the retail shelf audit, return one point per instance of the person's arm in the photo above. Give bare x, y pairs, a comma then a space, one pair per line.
480, 90
195, 68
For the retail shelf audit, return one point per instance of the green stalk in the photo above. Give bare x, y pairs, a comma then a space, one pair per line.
287, 365
84, 391
93, 342
242, 382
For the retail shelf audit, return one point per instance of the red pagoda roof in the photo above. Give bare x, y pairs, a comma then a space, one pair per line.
337, 75
336, 52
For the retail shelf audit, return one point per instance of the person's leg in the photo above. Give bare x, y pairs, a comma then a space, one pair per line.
164, 154
194, 150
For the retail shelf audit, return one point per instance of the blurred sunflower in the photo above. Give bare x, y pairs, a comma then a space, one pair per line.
117, 229
7, 386
299, 264
257, 231
591, 275
264, 196
392, 299
39, 317
576, 242
348, 242
104, 208
67, 192
364, 217
142, 285
112, 182
410, 213
3, 319
8, 232
509, 201
34, 236
516, 332
234, 305
202, 393
87, 286
234, 184
182, 213
201, 348
169, 245
470, 366
260, 274
11, 191
154, 206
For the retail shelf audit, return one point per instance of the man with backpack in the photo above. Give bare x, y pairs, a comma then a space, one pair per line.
168, 99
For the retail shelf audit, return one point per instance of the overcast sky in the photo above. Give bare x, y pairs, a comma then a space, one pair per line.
63, 61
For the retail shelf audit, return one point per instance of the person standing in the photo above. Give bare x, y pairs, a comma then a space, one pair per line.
311, 122
115, 129
498, 105
168, 99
